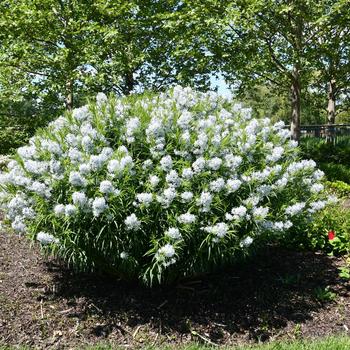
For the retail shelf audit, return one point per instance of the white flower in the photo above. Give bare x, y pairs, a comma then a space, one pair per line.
87, 143
87, 129
239, 212
252, 200
114, 166
201, 143
204, 201
41, 189
106, 187
287, 224
278, 225
186, 218
154, 180
166, 163
101, 98
84, 169
220, 229
28, 213
281, 183
79, 199
76, 179
126, 161
55, 166
198, 165
145, 198
302, 165
51, 146
332, 199
132, 126
96, 162
214, 163
81, 113
295, 209
18, 225
71, 140
27, 152
233, 185
246, 242
316, 206
173, 178
59, 209
168, 251
260, 213
132, 223
217, 185
124, 255
186, 137
99, 205
46, 238
186, 196
233, 161
187, 173
184, 120
318, 175
167, 197
316, 188
147, 164
70, 210
35, 167
75, 155
277, 153
173, 233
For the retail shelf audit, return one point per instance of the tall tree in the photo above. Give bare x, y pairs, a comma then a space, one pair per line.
269, 41
66, 50
331, 54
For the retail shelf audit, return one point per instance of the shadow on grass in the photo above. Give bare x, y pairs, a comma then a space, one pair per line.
255, 297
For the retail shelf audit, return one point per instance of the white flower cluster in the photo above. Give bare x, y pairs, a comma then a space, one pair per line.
158, 176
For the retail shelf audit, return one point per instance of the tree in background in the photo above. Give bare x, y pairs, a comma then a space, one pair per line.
55, 54
70, 49
273, 42
331, 55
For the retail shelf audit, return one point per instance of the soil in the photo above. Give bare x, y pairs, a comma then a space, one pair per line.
278, 295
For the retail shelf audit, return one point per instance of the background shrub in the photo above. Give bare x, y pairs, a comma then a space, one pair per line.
159, 187
329, 231
333, 159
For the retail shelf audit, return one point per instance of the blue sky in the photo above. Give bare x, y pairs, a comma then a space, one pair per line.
223, 88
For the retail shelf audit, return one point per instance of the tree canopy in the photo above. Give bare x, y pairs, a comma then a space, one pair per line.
54, 54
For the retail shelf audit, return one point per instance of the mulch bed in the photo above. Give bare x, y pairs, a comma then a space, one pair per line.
42, 305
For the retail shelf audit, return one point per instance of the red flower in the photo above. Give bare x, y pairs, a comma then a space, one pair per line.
331, 235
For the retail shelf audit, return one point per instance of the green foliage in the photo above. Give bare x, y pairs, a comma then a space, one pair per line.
268, 101
344, 272
315, 237
336, 172
342, 189
324, 294
333, 159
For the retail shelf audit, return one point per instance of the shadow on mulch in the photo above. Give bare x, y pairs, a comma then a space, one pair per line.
255, 298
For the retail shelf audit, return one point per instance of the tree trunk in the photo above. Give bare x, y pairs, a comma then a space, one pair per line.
69, 95
129, 82
331, 111
331, 102
295, 102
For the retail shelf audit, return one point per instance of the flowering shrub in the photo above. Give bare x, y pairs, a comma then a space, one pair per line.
159, 187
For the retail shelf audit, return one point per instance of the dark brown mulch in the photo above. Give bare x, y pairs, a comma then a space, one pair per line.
43, 306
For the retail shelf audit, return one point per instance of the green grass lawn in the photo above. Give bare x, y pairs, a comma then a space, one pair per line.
330, 343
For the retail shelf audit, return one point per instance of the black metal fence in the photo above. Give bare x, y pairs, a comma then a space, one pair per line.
326, 131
